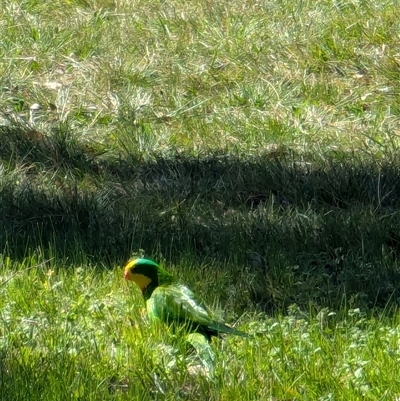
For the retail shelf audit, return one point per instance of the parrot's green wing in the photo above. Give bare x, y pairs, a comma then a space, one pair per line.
175, 303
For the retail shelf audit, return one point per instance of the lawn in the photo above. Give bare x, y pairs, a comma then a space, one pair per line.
249, 147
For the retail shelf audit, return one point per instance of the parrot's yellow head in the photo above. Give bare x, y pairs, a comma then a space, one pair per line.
148, 275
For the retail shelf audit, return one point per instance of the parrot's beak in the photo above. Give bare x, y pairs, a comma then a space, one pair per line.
127, 275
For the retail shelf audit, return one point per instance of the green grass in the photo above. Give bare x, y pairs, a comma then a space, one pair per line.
82, 336
251, 147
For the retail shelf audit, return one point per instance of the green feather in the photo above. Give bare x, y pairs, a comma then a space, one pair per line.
175, 303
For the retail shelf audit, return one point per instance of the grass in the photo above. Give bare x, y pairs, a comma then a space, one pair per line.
252, 147
86, 325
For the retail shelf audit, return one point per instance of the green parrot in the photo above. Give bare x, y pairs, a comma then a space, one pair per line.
172, 302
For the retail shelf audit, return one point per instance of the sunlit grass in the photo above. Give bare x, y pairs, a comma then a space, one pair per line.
237, 77
81, 331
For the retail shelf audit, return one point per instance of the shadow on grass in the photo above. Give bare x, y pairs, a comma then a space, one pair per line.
303, 227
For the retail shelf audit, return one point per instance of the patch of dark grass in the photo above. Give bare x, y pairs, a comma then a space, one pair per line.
57, 149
